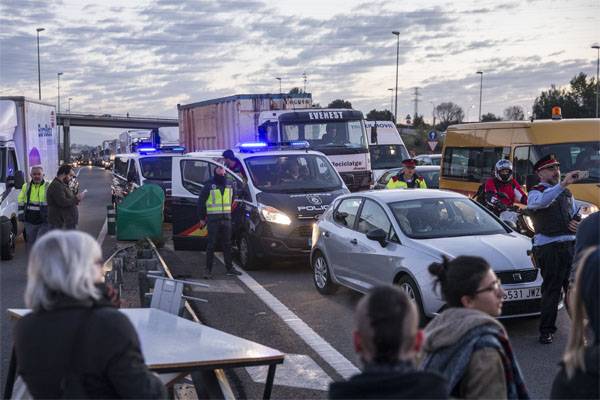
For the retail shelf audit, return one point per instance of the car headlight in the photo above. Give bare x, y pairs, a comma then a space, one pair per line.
271, 214
585, 208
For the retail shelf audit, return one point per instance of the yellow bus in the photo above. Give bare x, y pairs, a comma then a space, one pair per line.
471, 150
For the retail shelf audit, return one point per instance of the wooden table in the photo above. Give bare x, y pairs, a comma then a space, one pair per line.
171, 344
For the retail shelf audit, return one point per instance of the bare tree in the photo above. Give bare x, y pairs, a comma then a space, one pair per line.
514, 113
448, 114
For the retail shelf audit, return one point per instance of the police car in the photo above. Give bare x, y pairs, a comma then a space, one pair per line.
285, 189
148, 165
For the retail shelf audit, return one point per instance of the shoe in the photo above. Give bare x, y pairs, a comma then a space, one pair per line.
207, 275
546, 338
233, 272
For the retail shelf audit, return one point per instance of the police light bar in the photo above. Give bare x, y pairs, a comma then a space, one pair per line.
253, 145
146, 149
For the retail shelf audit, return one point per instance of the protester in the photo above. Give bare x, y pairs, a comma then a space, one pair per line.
465, 343
579, 375
233, 163
387, 339
75, 343
62, 202
33, 208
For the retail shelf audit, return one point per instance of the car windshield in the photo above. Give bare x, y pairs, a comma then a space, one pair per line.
386, 156
447, 217
156, 168
584, 156
344, 134
297, 173
432, 178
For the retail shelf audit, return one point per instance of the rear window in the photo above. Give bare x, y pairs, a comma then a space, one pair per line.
156, 168
471, 164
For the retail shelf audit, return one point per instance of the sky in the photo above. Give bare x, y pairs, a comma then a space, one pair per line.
144, 57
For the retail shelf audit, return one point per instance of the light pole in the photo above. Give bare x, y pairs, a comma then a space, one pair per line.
397, 61
38, 30
58, 80
279, 79
597, 47
391, 99
432, 115
480, 92
69, 108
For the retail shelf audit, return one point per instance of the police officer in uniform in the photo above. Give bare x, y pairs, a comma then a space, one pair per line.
33, 209
407, 179
214, 207
555, 221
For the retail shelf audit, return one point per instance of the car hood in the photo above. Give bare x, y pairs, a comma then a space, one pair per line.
501, 251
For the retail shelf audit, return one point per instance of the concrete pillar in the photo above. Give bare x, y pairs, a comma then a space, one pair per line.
67, 140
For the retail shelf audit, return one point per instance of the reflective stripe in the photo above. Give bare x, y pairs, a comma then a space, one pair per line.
218, 203
33, 208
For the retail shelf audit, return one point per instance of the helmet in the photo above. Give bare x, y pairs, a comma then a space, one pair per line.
503, 171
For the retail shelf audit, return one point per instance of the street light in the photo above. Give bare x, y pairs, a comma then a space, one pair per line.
597, 47
391, 99
58, 79
279, 79
480, 92
397, 61
69, 109
38, 30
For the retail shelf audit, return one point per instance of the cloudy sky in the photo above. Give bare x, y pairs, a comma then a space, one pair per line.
144, 57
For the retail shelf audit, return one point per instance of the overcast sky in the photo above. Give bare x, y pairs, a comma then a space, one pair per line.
144, 57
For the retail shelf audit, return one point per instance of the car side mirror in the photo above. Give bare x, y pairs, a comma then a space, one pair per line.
17, 180
531, 181
378, 235
374, 134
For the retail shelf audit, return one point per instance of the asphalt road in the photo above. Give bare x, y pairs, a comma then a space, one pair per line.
13, 273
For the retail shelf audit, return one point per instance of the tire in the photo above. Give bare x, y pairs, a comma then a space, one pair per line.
408, 286
7, 250
248, 258
322, 275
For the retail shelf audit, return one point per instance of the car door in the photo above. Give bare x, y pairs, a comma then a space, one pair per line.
372, 263
119, 179
189, 175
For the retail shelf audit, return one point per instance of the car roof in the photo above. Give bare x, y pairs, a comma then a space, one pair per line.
422, 168
244, 155
138, 155
388, 196
429, 155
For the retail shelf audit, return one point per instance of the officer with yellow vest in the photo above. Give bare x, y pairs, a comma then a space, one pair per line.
407, 178
214, 208
33, 209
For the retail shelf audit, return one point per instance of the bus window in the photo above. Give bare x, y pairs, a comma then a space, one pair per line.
523, 163
470, 163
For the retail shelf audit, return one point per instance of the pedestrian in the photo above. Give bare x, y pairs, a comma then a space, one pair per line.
555, 221
214, 209
62, 202
75, 343
588, 235
579, 375
407, 178
387, 340
465, 342
233, 163
33, 209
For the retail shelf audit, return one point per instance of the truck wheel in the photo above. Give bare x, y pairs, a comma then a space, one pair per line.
248, 258
7, 250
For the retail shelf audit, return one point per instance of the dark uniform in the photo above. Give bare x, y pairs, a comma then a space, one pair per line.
214, 205
552, 208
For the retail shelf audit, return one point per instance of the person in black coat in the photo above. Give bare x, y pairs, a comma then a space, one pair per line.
75, 342
387, 339
579, 375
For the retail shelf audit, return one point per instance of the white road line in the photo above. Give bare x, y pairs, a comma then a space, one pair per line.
327, 352
103, 232
78, 171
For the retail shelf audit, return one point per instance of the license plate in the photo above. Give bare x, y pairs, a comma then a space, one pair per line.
522, 294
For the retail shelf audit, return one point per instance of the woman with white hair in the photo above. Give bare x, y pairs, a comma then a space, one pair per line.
75, 343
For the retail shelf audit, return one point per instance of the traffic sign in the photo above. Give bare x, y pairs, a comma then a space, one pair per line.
432, 136
432, 144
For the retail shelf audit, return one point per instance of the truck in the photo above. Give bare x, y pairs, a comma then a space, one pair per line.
28, 137
129, 139
386, 147
226, 122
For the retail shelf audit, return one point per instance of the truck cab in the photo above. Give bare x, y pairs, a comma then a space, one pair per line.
386, 147
340, 134
285, 190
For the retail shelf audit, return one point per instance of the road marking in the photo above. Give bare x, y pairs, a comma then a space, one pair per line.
78, 171
298, 370
102, 234
327, 352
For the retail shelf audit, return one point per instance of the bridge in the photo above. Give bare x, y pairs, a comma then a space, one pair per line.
67, 120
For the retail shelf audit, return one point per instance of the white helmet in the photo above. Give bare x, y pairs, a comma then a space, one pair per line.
503, 171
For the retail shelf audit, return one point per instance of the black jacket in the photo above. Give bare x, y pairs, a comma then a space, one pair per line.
62, 205
583, 385
391, 385
110, 358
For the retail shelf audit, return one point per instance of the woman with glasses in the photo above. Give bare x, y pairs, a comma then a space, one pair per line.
75, 343
465, 343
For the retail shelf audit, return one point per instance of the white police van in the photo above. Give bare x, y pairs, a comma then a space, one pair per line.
286, 187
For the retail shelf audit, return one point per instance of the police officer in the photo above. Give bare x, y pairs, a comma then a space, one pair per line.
555, 221
214, 207
407, 179
33, 209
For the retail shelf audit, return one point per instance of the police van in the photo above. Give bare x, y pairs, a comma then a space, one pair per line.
285, 188
148, 165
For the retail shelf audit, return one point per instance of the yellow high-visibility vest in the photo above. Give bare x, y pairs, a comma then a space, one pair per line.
218, 203
401, 184
37, 198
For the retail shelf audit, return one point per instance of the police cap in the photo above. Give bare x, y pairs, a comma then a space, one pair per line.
545, 162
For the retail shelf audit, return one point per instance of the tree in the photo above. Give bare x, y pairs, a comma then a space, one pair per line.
295, 90
419, 123
490, 117
339, 103
448, 114
385, 115
576, 101
514, 113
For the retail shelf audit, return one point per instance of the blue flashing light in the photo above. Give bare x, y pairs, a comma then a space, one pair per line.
179, 148
146, 149
300, 143
253, 145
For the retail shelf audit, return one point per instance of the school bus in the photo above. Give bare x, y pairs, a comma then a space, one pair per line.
471, 150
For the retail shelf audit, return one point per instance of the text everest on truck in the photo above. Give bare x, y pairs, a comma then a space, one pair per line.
28, 137
281, 118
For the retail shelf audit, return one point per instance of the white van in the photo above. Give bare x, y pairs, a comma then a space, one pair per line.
386, 147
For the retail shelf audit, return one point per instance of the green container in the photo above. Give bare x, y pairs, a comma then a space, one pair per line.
140, 215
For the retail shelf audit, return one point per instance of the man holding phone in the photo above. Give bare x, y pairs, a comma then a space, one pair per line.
555, 219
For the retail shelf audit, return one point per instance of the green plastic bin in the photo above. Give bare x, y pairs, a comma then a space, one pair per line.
140, 215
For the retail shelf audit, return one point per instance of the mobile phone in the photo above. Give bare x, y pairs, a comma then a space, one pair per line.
583, 174
84, 191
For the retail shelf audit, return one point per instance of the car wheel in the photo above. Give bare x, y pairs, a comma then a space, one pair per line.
409, 287
7, 252
248, 257
321, 275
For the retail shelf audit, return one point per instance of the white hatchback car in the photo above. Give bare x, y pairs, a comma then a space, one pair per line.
392, 236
